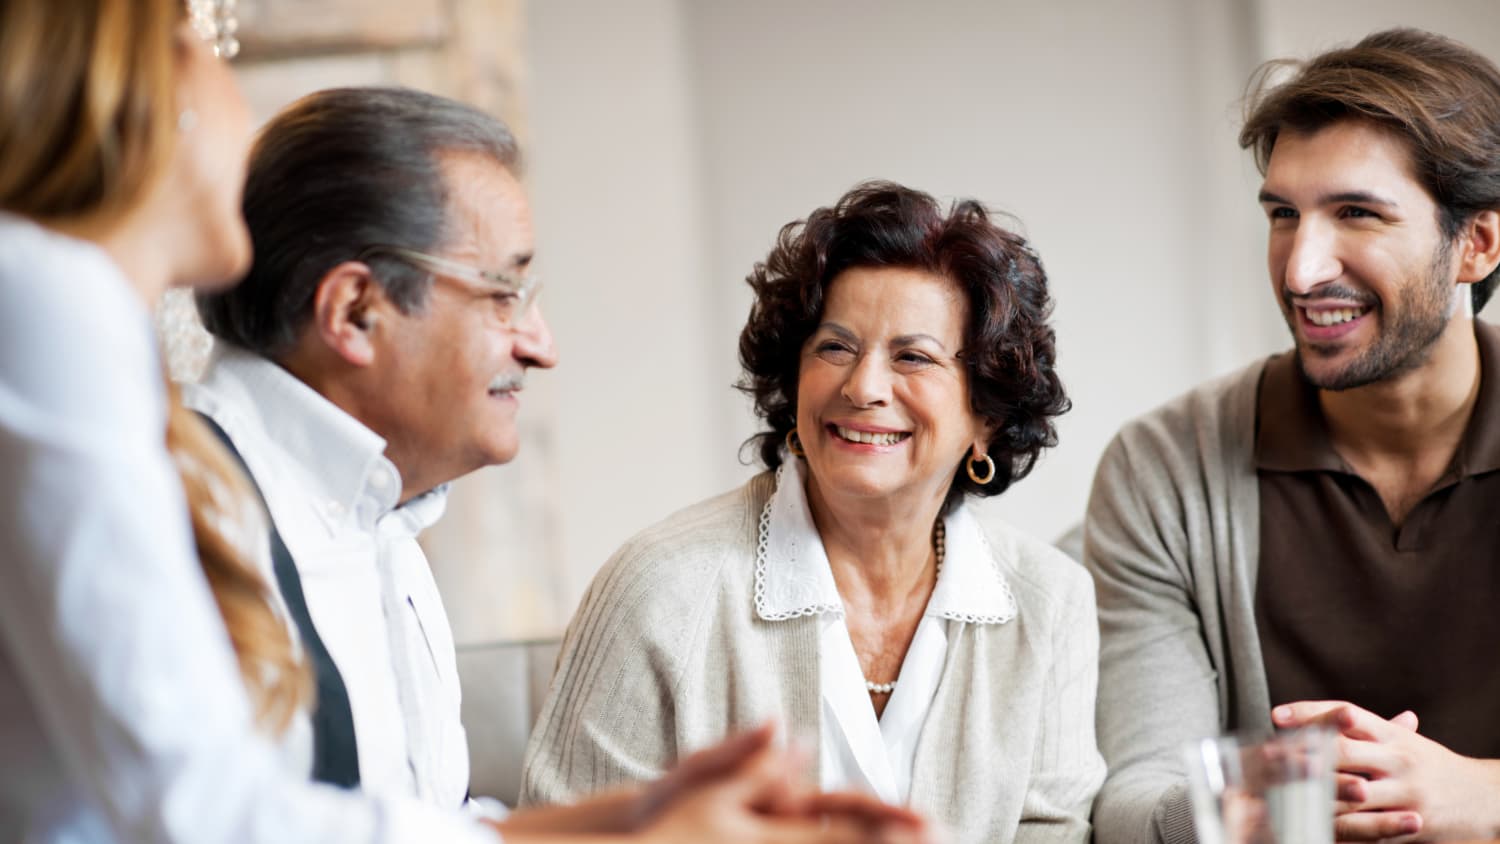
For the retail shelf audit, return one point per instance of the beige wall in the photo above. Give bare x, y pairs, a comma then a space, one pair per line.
671, 142
615, 175
1294, 27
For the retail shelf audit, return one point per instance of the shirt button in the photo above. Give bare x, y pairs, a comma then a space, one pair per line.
335, 509
380, 479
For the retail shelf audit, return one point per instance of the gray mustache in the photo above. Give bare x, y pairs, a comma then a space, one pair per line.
508, 383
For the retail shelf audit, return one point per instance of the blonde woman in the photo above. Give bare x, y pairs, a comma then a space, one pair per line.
150, 691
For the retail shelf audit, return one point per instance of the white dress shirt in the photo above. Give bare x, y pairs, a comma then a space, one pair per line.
793, 578
122, 713
370, 592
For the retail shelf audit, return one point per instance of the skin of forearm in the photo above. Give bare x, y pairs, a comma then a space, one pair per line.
602, 817
539, 837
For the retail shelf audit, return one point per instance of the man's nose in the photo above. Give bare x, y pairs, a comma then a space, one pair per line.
1313, 258
533, 339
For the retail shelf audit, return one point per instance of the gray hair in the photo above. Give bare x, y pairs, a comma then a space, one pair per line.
336, 172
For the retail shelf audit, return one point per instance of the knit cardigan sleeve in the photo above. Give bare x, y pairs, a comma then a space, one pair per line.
1067, 769
611, 714
1166, 542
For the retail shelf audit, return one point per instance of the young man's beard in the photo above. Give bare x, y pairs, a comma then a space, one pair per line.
1404, 343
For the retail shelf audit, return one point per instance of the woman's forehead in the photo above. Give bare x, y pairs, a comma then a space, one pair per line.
887, 303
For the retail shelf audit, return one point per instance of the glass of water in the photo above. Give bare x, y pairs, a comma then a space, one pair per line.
1277, 790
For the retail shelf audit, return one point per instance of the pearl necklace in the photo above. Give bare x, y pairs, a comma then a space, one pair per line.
939, 547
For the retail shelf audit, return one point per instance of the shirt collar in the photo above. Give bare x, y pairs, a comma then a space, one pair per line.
793, 578
1292, 434
344, 459
1479, 451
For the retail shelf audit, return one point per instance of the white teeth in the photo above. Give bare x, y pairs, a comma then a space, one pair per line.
1335, 316
505, 384
869, 437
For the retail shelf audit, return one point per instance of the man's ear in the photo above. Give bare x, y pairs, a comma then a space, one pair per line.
1481, 250
347, 307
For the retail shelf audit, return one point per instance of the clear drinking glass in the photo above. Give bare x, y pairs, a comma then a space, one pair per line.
1276, 790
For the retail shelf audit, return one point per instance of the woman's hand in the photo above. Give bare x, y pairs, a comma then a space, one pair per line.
743, 790
746, 790
701, 769
629, 808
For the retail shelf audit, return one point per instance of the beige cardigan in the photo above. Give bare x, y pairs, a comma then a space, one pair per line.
667, 654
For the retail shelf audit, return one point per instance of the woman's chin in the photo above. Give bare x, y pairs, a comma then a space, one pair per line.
221, 267
858, 482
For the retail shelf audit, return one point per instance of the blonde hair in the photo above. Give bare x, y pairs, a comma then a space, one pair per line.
88, 94
229, 527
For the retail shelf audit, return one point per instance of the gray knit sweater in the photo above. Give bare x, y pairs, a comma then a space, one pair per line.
667, 654
1172, 539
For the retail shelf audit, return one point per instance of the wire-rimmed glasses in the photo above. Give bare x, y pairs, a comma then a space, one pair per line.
518, 294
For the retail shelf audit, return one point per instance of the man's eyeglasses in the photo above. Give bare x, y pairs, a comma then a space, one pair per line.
516, 294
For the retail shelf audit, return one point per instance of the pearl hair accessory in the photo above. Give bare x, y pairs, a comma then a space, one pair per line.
215, 22
939, 548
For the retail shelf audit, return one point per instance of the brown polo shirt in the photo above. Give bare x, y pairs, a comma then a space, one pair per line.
1351, 606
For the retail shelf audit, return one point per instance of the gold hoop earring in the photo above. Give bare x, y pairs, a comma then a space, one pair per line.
989, 469
794, 443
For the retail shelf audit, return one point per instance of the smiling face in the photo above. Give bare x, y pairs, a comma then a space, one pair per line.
1364, 277
882, 398
452, 368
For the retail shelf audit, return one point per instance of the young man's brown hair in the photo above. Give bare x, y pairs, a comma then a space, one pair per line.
1439, 96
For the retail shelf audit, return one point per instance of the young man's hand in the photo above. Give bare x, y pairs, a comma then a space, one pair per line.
1396, 784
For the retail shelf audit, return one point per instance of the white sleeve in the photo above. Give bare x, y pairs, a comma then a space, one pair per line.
106, 622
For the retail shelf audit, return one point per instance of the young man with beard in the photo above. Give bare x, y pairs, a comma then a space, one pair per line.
1313, 539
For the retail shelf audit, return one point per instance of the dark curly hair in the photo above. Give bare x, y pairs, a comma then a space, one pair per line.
1009, 349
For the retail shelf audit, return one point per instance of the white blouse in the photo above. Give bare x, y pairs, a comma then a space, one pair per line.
793, 579
122, 713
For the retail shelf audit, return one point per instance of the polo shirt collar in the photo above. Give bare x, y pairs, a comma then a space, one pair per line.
1479, 450
1293, 435
793, 577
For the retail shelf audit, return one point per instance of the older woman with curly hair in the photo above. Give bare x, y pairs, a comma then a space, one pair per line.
902, 362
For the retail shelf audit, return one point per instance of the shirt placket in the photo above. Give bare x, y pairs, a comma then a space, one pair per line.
407, 648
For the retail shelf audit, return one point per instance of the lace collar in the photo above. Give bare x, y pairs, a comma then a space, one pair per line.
793, 578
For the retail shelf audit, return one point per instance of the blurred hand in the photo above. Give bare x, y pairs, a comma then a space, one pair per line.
743, 790
1395, 784
746, 791
702, 768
